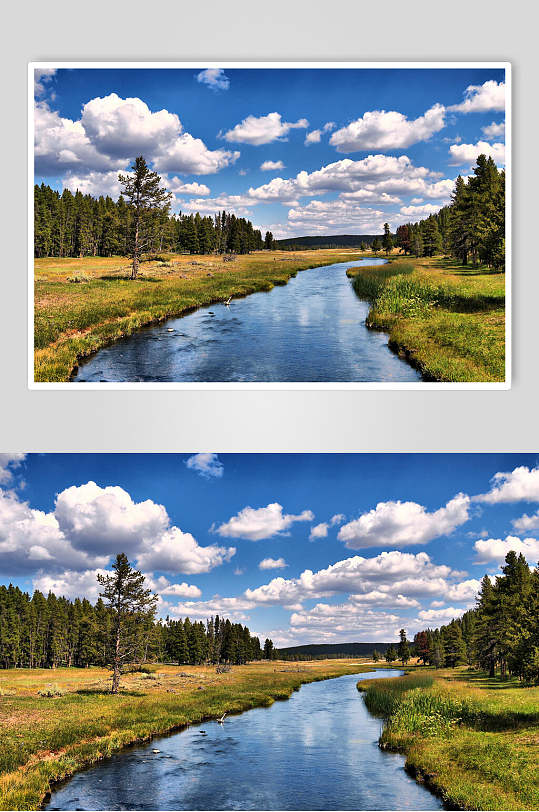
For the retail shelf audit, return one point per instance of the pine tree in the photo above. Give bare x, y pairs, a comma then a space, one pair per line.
404, 648
387, 240
143, 191
130, 603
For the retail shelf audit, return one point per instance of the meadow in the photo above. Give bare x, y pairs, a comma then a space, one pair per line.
472, 739
81, 305
446, 318
55, 721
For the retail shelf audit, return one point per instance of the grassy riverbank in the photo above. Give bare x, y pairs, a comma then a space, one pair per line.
83, 304
446, 318
44, 739
473, 739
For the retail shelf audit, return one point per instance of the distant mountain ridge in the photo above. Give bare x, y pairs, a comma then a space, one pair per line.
335, 649
334, 241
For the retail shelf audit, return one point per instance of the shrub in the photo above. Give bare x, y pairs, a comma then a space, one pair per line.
51, 690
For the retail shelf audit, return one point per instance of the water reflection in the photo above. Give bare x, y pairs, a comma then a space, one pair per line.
317, 751
312, 329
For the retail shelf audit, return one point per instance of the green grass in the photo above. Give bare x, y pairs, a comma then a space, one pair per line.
447, 319
74, 320
44, 739
474, 740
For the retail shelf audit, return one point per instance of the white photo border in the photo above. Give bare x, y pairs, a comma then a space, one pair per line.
284, 386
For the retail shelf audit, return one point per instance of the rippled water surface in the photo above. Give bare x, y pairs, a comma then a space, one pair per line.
317, 750
310, 330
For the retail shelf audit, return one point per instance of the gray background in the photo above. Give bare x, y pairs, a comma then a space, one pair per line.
277, 420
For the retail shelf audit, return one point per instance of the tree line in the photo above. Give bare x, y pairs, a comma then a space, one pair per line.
139, 223
50, 631
500, 635
471, 228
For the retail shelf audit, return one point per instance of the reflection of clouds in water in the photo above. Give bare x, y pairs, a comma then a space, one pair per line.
309, 330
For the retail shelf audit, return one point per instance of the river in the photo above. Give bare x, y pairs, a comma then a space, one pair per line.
318, 750
310, 330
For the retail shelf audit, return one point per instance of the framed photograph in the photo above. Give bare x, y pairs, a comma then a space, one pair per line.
270, 225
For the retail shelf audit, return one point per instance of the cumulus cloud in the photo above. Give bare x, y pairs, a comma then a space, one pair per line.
420, 211
93, 183
379, 129
235, 609
314, 137
111, 131
98, 520
393, 573
519, 485
257, 130
338, 518
400, 524
482, 98
8, 464
239, 204
215, 78
178, 187
439, 616
319, 531
272, 564
175, 551
320, 215
208, 465
329, 126
526, 523
88, 525
328, 622
493, 130
42, 77
261, 523
162, 586
70, 584
464, 591
468, 153
495, 550
267, 166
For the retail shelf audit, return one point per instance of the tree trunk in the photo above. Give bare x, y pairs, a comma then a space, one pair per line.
116, 663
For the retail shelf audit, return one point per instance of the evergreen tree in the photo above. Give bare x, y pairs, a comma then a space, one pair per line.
130, 602
404, 648
387, 240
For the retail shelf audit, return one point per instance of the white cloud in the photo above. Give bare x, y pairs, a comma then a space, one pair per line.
319, 531
206, 464
267, 166
526, 523
380, 130
93, 183
329, 126
261, 523
32, 539
178, 187
496, 549
482, 98
272, 564
111, 131
320, 215
175, 551
100, 520
440, 616
464, 591
162, 586
420, 211
329, 622
42, 77
519, 485
9, 463
338, 518
493, 130
215, 78
467, 153
191, 156
70, 584
239, 204
233, 608
314, 137
399, 524
393, 573
258, 130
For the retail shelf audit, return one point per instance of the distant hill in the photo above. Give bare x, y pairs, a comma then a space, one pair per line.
335, 649
337, 241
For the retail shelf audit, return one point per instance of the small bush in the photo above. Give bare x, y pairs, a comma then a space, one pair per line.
81, 277
51, 690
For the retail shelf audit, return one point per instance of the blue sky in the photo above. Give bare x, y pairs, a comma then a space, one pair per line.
298, 151
303, 548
